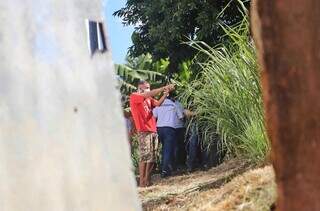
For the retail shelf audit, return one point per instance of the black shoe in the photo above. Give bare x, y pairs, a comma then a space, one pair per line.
164, 175
182, 168
204, 168
190, 170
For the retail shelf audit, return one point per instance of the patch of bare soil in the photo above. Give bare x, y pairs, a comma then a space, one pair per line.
234, 185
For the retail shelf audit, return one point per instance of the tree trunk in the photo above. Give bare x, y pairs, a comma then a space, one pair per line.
287, 35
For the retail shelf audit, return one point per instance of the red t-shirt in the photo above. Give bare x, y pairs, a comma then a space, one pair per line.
141, 110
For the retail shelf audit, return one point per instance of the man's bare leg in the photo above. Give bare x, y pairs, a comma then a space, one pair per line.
148, 172
142, 173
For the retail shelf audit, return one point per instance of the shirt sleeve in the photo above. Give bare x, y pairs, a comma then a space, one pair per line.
155, 112
136, 98
180, 110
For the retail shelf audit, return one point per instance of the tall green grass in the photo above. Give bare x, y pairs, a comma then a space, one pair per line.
227, 97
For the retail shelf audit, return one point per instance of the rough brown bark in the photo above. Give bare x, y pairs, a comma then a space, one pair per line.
287, 34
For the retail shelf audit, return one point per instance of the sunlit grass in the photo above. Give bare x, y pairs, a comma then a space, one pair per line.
227, 95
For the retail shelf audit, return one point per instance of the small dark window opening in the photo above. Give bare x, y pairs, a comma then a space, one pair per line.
96, 37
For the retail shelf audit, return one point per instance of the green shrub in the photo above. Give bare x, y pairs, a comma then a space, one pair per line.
227, 97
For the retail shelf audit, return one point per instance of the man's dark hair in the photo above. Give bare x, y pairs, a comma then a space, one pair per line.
172, 96
140, 82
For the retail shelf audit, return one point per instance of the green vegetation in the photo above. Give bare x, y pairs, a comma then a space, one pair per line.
162, 26
227, 95
140, 68
221, 83
135, 154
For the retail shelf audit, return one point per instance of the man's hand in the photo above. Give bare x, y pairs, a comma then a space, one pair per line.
166, 92
169, 87
164, 96
189, 113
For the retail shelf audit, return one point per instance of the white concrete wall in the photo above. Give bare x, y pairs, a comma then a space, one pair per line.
62, 137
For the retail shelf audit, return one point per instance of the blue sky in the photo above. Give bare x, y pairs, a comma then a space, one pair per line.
119, 35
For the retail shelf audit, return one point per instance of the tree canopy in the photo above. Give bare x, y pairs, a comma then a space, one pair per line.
162, 26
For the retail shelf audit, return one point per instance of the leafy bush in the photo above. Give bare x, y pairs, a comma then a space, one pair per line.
140, 68
227, 96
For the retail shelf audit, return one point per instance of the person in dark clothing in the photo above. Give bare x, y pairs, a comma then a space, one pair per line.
213, 154
193, 148
180, 152
200, 156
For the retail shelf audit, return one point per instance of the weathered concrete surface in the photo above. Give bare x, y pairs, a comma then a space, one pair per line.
287, 35
62, 137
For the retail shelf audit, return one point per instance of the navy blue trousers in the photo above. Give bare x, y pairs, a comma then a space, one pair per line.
168, 139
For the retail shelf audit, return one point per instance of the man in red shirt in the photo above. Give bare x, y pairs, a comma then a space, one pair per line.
141, 104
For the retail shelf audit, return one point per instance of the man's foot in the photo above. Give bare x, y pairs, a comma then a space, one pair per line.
142, 186
164, 174
149, 184
190, 170
204, 168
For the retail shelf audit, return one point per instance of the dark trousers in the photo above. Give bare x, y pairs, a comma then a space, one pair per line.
181, 153
213, 156
168, 139
204, 157
193, 151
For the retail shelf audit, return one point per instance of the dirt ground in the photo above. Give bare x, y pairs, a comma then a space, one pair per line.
234, 185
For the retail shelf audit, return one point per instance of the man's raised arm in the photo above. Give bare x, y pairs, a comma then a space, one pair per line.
155, 92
